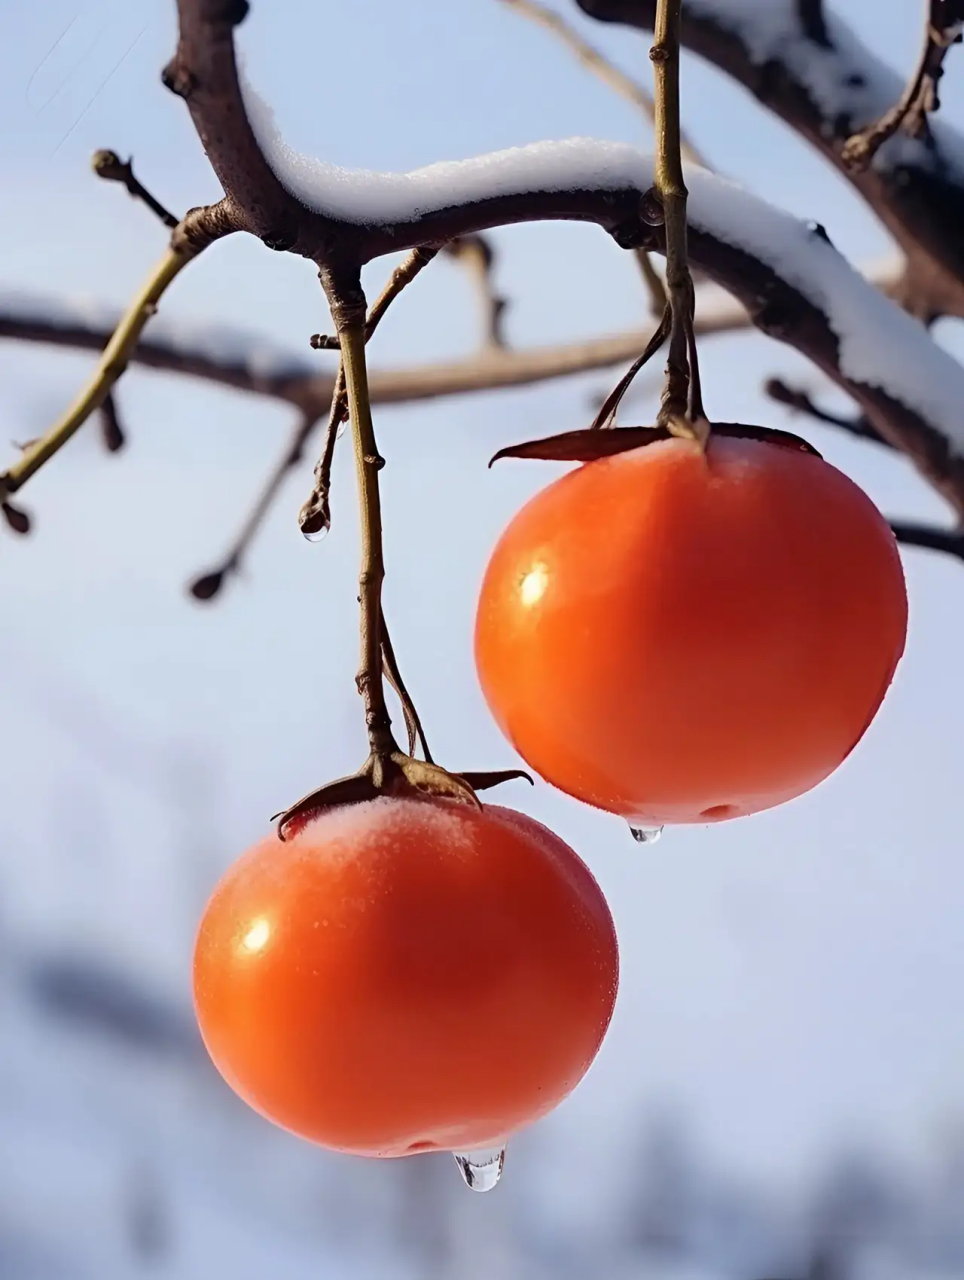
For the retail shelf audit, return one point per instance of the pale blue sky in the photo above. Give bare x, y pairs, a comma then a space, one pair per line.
790, 981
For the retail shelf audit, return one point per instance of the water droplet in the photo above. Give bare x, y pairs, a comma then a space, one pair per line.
317, 535
645, 835
481, 1170
342, 428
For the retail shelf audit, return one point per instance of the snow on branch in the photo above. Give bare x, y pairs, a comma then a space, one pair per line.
819, 78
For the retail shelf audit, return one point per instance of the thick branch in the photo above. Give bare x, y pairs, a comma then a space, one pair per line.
812, 71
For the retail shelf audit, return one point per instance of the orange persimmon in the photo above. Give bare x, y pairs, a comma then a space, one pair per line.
406, 975
678, 636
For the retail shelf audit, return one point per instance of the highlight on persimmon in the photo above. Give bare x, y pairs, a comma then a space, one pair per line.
684, 635
406, 975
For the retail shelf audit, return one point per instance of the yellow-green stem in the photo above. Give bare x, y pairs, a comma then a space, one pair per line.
111, 365
367, 465
676, 411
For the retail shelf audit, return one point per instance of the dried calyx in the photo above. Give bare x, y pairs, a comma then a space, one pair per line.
591, 444
397, 775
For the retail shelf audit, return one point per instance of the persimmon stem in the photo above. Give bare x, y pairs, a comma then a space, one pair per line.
681, 410
348, 306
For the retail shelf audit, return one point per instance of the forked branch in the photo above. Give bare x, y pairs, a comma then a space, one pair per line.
942, 29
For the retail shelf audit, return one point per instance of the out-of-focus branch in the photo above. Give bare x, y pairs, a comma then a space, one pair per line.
945, 19
197, 230
950, 541
109, 165
209, 584
628, 88
797, 399
476, 255
249, 363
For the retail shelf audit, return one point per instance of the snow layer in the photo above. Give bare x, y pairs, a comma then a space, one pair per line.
846, 79
366, 198
880, 345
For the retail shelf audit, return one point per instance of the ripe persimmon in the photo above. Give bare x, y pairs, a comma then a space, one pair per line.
406, 975
678, 636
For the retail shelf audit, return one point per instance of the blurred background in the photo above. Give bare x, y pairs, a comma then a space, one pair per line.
782, 1092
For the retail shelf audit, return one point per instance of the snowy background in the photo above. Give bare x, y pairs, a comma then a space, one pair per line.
785, 1072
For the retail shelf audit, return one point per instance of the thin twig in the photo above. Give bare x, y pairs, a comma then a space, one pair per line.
950, 541
413, 723
111, 365
943, 26
797, 399
655, 284
628, 88
315, 515
347, 303
112, 433
109, 165
207, 585
475, 254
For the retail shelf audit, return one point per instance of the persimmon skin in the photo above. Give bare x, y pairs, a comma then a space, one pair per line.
680, 637
406, 975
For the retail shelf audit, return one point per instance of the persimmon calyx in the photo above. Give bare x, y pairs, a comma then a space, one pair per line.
396, 774
684, 428
590, 444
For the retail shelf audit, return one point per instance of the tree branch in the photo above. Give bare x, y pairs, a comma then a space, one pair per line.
109, 166
209, 584
477, 256
314, 518
807, 67
942, 29
800, 402
198, 229
950, 541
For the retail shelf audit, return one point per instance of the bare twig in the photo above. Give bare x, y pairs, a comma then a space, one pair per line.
950, 541
207, 585
112, 433
654, 282
413, 723
17, 519
109, 165
476, 255
198, 229
600, 66
314, 518
111, 365
347, 303
945, 19
797, 399
813, 22
294, 381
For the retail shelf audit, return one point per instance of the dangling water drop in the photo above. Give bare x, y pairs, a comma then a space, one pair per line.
645, 835
317, 535
341, 429
480, 1170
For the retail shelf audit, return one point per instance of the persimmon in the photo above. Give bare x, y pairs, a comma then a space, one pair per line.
405, 975
683, 637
